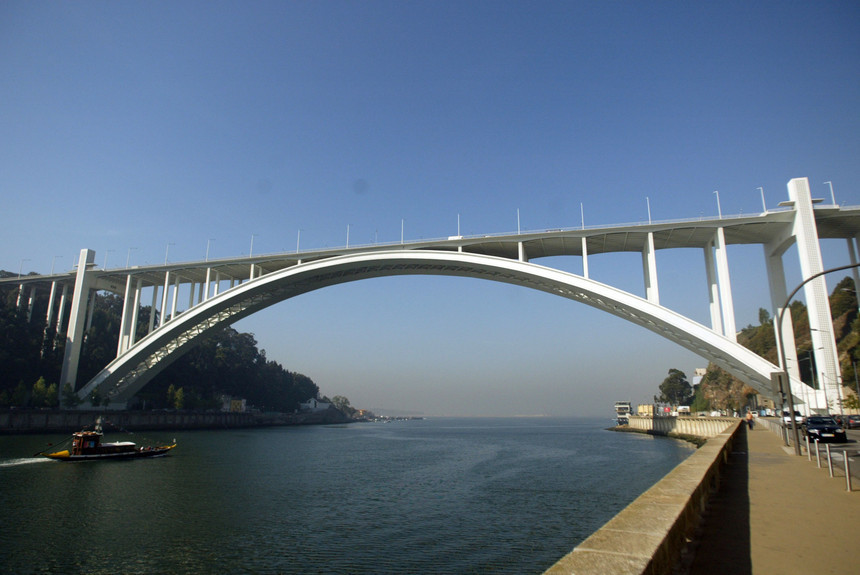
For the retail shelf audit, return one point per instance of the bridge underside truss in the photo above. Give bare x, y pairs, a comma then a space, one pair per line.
129, 372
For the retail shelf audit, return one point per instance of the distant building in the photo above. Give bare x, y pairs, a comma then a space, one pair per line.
232, 404
314, 405
645, 410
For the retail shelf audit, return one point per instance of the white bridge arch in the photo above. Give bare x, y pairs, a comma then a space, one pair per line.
263, 280
129, 372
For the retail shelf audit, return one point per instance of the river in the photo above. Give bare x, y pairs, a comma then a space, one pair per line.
500, 495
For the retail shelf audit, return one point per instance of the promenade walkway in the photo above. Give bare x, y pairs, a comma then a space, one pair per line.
779, 513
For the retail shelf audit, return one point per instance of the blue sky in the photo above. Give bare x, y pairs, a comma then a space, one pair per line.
128, 126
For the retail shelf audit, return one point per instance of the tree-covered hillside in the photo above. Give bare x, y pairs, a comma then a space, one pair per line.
228, 363
719, 390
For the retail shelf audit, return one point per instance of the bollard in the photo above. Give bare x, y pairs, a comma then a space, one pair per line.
847, 471
817, 453
829, 461
808, 453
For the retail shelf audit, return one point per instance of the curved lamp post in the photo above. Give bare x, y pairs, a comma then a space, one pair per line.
782, 362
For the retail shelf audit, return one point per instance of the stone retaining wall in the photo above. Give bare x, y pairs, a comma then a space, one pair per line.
648, 536
700, 426
47, 421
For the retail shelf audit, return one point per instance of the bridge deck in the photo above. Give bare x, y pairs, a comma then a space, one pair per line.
831, 221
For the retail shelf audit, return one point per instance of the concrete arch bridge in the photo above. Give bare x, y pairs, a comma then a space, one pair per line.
220, 292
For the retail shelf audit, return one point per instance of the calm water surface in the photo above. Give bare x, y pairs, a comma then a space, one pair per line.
430, 496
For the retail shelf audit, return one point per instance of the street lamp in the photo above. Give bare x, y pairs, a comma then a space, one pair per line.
832, 196
251, 251
782, 362
21, 267
54, 259
763, 206
719, 209
648, 202
128, 256
209, 241
167, 251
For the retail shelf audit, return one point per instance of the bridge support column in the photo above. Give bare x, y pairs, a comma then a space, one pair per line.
778, 293
817, 300
174, 298
132, 332
649, 263
30, 303
208, 283
727, 306
713, 289
75, 334
521, 252
152, 309
584, 257
125, 321
49, 317
61, 314
164, 296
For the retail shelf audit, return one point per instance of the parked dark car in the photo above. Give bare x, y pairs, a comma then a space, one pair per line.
852, 421
824, 428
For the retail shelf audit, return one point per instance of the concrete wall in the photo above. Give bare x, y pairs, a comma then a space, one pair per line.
699, 426
45, 421
648, 536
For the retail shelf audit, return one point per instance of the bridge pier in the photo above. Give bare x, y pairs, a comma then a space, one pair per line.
649, 263
75, 334
817, 298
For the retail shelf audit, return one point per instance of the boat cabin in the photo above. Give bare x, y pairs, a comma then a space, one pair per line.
89, 443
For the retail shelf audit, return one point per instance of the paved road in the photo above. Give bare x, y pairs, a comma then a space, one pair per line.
779, 513
851, 447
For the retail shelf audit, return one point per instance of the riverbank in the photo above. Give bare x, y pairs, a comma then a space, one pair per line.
694, 439
56, 421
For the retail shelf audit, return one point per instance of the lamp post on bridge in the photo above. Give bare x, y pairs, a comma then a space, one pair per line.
54, 259
763, 206
209, 241
782, 363
167, 251
128, 256
832, 196
21, 267
719, 209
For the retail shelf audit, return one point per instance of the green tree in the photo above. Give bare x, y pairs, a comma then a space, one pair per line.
53, 399
19, 395
70, 398
851, 402
179, 398
39, 396
342, 404
95, 397
675, 389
